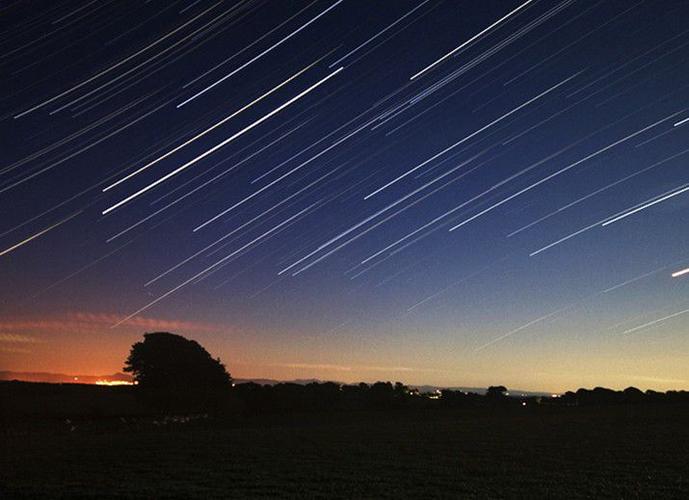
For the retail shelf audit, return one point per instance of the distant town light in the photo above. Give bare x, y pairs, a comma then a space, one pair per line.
112, 382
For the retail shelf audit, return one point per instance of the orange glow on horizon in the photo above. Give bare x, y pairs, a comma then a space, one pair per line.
114, 382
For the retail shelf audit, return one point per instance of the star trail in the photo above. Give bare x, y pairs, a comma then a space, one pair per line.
466, 192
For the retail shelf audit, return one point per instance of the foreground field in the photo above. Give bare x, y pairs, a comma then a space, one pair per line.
614, 452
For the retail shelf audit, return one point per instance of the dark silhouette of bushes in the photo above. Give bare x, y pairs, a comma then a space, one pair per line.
325, 396
601, 396
175, 375
20, 400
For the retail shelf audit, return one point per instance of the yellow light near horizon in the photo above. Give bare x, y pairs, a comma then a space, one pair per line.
113, 382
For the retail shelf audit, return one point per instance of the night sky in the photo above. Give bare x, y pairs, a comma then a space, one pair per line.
445, 192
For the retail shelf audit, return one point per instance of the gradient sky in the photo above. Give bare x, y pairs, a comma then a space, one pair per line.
442, 192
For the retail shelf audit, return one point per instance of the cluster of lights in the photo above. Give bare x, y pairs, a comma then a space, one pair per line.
114, 382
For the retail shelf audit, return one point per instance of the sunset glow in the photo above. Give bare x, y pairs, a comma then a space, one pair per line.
446, 193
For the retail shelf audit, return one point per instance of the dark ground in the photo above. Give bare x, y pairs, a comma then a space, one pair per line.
621, 451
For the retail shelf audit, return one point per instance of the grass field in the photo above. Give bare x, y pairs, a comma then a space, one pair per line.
598, 452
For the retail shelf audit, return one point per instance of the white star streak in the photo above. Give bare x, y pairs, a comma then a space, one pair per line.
241, 150
212, 266
308, 148
191, 36
209, 129
633, 280
597, 191
283, 176
677, 274
470, 40
70, 14
462, 205
568, 237
523, 327
277, 44
489, 53
40, 233
559, 172
81, 150
378, 34
78, 271
250, 221
681, 122
385, 209
221, 144
71, 137
461, 141
191, 82
646, 205
655, 322
116, 65
557, 53
604, 222
453, 284
369, 229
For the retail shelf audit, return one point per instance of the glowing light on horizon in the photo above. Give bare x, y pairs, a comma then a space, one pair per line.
114, 382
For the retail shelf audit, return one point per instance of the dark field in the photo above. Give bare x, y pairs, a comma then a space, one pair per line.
585, 452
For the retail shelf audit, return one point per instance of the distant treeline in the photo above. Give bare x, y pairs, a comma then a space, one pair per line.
631, 395
383, 395
27, 399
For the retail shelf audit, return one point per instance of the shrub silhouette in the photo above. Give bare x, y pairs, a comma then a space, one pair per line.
177, 374
496, 391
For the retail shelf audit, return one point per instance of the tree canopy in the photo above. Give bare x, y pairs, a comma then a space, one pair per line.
173, 368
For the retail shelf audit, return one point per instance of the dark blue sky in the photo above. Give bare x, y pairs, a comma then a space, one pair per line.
445, 192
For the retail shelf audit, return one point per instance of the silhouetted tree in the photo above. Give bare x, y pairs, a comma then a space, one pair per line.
401, 390
496, 391
633, 395
176, 373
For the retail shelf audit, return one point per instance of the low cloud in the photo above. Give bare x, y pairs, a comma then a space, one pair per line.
659, 380
14, 350
145, 322
17, 339
346, 368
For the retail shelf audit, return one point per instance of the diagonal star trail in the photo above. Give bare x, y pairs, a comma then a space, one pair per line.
404, 178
